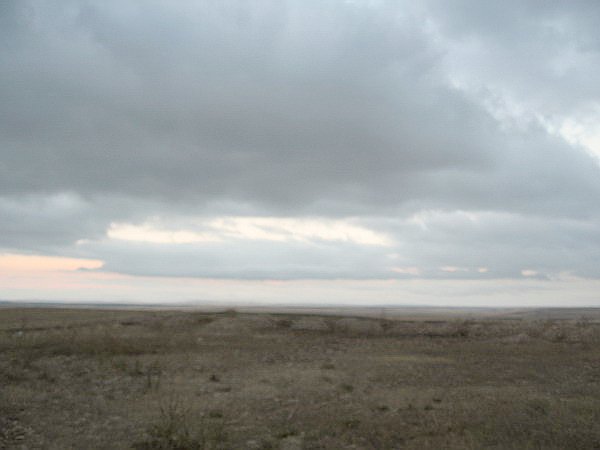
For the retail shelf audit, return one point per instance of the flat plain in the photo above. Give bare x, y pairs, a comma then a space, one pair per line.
292, 379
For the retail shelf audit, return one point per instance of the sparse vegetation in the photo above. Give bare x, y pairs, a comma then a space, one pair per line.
173, 430
175, 380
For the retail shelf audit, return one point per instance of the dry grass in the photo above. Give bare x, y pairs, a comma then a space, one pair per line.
165, 380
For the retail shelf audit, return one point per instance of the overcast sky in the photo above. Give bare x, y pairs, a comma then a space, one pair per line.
308, 151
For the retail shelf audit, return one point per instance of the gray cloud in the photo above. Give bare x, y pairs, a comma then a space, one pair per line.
432, 245
116, 112
547, 53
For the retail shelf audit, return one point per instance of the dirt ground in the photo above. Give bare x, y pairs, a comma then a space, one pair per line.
94, 379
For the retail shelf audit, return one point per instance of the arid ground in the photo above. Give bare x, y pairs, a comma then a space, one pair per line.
92, 379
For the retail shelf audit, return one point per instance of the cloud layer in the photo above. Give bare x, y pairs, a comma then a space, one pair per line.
462, 139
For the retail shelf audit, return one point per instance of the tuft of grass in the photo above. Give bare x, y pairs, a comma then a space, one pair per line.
173, 430
152, 376
230, 312
346, 387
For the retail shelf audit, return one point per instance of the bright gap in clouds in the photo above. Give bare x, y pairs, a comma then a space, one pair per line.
277, 229
147, 232
585, 133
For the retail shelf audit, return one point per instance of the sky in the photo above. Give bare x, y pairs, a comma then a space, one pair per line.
308, 152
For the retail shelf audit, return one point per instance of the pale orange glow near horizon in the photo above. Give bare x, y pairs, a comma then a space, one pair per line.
10, 262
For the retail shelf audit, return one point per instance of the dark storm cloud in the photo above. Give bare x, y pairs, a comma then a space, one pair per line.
118, 111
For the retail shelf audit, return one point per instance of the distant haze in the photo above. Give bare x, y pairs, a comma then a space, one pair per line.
357, 152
